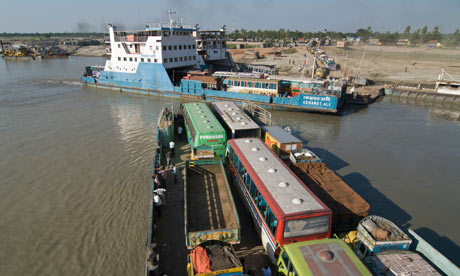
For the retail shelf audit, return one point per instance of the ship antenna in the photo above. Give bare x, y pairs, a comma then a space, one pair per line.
181, 21
171, 21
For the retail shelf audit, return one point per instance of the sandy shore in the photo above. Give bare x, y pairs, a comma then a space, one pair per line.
89, 51
383, 64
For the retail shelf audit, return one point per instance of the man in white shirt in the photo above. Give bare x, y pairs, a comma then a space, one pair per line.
157, 203
161, 193
171, 147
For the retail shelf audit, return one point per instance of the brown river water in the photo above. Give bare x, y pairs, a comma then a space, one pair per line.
76, 163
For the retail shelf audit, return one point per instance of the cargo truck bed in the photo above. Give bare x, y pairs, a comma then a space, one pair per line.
209, 204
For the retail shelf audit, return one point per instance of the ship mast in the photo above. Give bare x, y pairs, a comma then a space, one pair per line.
171, 20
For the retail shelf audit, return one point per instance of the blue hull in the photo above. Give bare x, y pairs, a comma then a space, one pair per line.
152, 79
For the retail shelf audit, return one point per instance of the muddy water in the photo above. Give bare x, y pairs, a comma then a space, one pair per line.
75, 169
402, 158
74, 173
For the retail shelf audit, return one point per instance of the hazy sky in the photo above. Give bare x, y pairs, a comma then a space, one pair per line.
306, 15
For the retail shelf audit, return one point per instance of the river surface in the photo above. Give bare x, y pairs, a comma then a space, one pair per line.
75, 168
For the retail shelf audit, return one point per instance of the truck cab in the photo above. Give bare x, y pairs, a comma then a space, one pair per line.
320, 257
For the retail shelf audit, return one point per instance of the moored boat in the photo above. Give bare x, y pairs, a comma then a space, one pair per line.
156, 61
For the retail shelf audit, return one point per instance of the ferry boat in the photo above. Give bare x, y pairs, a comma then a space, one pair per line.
450, 86
157, 60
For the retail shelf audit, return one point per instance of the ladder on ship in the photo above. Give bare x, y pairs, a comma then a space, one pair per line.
258, 113
126, 48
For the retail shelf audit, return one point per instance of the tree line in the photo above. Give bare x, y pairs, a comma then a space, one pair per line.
419, 36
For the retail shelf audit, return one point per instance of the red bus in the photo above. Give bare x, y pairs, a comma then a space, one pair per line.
284, 210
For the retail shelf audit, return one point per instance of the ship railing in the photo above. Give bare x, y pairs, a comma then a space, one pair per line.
164, 25
140, 38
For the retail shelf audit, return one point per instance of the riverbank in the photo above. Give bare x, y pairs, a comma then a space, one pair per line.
382, 64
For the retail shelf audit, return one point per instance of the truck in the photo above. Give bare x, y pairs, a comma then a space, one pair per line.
348, 207
211, 220
319, 257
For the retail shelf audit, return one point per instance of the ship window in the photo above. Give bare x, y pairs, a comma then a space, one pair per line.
242, 84
215, 52
264, 85
185, 47
180, 59
185, 58
194, 57
249, 83
272, 86
130, 45
164, 48
142, 59
130, 59
135, 59
190, 46
175, 47
193, 46
149, 60
165, 60
175, 59
170, 59
151, 47
124, 59
155, 60
169, 47
119, 46
257, 84
157, 48
180, 47
119, 58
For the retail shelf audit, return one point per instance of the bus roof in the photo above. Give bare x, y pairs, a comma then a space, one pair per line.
233, 116
286, 189
325, 257
281, 135
202, 118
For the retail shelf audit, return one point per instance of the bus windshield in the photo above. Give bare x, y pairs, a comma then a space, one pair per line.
306, 226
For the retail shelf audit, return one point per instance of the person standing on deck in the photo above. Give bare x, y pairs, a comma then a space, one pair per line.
157, 203
162, 173
168, 158
174, 173
161, 193
179, 132
171, 148
266, 271
156, 179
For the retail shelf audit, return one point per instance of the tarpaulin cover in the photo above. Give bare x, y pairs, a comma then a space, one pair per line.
200, 260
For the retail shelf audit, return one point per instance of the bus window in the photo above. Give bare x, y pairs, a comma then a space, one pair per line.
254, 192
306, 226
285, 258
249, 182
262, 204
271, 220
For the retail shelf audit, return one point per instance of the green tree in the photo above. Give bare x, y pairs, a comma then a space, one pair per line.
424, 36
407, 32
436, 35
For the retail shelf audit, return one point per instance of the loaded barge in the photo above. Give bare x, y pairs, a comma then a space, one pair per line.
162, 60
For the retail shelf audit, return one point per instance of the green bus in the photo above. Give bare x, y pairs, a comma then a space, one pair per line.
320, 257
206, 136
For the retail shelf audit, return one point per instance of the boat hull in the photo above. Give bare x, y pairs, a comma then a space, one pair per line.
152, 79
